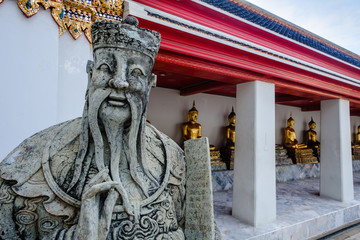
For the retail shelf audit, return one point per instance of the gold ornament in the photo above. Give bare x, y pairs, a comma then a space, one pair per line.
76, 16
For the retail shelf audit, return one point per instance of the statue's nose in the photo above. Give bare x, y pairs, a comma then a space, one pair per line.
118, 83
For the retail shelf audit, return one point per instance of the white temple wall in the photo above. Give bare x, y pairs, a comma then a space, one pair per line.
282, 113
29, 70
43, 76
167, 110
73, 57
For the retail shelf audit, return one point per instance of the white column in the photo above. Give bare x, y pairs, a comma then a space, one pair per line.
254, 194
336, 179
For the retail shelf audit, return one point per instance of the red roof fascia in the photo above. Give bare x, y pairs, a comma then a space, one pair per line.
207, 17
189, 46
239, 75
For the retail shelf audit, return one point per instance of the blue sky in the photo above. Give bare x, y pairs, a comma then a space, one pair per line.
335, 20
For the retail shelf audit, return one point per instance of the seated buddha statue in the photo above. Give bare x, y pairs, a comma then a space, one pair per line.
230, 130
290, 135
356, 146
311, 139
357, 139
311, 136
191, 129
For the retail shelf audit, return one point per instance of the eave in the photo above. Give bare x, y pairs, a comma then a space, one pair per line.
205, 51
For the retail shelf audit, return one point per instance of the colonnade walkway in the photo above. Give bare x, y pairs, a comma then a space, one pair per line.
301, 213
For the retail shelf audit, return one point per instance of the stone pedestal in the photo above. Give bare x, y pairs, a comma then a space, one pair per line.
227, 156
282, 158
216, 161
302, 156
356, 153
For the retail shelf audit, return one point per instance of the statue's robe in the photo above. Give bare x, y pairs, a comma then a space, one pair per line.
35, 176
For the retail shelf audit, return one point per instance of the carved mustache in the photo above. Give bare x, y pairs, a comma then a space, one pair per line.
117, 99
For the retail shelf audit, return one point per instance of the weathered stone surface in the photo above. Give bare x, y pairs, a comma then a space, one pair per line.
199, 205
302, 156
281, 157
216, 162
108, 175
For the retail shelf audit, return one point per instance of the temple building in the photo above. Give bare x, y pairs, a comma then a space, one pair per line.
220, 54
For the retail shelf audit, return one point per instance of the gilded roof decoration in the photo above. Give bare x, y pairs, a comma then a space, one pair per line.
76, 16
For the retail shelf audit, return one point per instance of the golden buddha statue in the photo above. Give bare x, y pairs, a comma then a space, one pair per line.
311, 139
230, 130
299, 153
191, 129
311, 136
357, 139
356, 146
290, 135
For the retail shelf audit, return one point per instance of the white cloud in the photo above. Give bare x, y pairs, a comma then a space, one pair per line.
334, 20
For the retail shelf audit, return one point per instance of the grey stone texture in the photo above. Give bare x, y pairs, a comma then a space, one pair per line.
199, 205
281, 157
108, 175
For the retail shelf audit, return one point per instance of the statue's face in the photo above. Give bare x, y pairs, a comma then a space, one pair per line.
291, 123
312, 126
232, 120
193, 116
126, 74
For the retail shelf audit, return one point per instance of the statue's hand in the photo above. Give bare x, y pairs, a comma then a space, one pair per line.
95, 214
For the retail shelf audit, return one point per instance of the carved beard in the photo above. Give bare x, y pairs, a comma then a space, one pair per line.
89, 124
139, 169
135, 143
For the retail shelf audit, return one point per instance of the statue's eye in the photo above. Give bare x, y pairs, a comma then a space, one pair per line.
136, 72
104, 67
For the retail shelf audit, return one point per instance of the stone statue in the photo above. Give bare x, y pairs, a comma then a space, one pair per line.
108, 175
230, 130
191, 129
290, 135
311, 136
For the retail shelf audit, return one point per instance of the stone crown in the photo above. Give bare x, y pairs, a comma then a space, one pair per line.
125, 35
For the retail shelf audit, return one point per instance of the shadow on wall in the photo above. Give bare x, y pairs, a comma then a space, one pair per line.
223, 136
179, 136
305, 127
354, 131
282, 134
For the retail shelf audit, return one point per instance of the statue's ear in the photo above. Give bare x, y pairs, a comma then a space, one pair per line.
89, 68
152, 80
